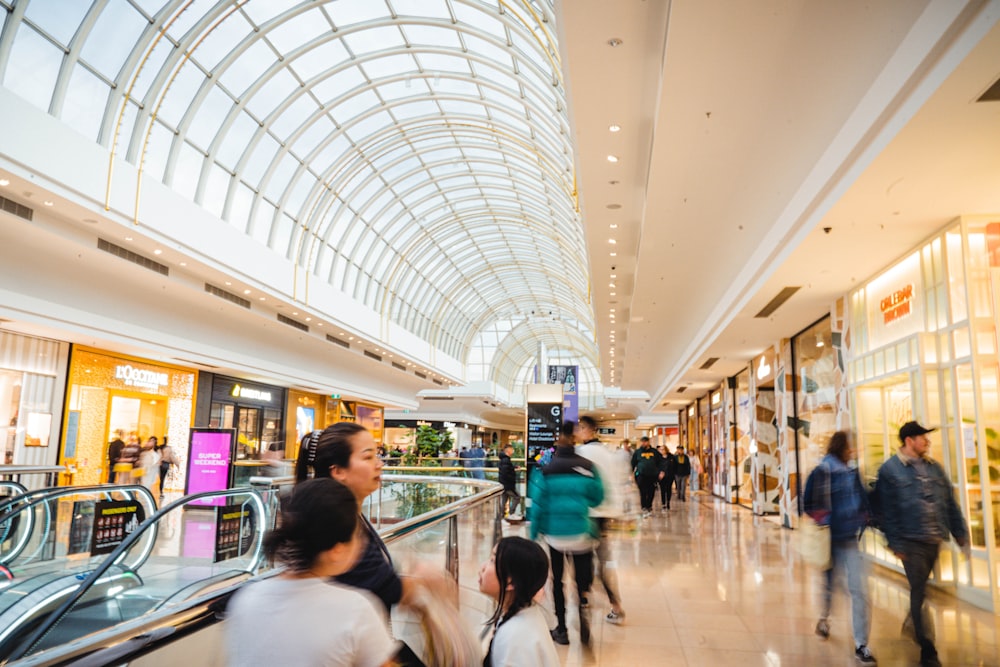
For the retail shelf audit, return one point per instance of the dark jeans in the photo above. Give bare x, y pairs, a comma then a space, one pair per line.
918, 564
647, 491
510, 502
583, 566
682, 482
666, 490
608, 579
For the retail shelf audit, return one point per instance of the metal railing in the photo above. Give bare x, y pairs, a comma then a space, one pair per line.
147, 634
14, 473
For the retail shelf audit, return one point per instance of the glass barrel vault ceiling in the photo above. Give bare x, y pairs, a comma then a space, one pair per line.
413, 153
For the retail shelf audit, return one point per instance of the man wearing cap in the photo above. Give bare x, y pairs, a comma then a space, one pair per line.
918, 511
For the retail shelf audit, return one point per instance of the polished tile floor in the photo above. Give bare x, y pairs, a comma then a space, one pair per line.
710, 584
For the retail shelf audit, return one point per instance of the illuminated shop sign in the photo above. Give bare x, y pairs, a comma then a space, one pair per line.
140, 377
897, 305
254, 394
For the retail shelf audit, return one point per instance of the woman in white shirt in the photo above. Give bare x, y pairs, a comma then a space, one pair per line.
516, 571
301, 618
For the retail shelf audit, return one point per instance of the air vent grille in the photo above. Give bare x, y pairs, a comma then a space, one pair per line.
228, 296
338, 341
420, 375
400, 367
680, 390
784, 295
188, 362
438, 398
135, 258
372, 355
292, 323
708, 363
14, 208
438, 382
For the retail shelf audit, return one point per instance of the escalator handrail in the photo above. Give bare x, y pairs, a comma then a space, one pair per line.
119, 553
131, 639
17, 486
45, 495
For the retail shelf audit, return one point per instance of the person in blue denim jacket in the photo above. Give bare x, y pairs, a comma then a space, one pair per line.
917, 509
835, 497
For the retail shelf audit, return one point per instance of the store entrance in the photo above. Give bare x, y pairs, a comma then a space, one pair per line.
258, 430
136, 417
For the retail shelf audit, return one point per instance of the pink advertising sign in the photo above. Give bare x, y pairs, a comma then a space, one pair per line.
209, 462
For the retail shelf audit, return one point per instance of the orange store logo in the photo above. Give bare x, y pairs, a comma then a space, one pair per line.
896, 305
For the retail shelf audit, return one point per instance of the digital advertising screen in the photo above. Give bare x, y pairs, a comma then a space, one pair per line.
210, 460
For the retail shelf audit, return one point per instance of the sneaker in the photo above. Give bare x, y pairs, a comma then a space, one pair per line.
864, 656
560, 636
615, 617
823, 628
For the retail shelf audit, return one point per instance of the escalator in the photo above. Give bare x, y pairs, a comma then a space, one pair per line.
130, 567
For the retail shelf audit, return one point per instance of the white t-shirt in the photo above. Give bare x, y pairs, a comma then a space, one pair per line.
524, 640
308, 623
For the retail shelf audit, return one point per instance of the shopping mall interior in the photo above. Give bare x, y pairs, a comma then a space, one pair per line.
736, 227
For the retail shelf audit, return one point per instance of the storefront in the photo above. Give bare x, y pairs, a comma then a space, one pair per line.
113, 396
32, 377
923, 345
369, 415
254, 411
305, 413
741, 478
716, 460
764, 451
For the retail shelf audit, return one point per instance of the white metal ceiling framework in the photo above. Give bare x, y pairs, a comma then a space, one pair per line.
415, 154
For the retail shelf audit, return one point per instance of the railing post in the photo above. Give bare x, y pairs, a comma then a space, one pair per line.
451, 559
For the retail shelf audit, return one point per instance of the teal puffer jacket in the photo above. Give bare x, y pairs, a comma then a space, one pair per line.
562, 494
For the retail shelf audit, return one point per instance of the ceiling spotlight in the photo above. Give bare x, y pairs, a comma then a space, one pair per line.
128, 238
612, 158
228, 283
615, 42
47, 202
246, 291
308, 319
613, 276
4, 182
614, 128
614, 293
614, 254
263, 298
613, 225
184, 263
612, 310
611, 284
294, 313
612, 241
157, 252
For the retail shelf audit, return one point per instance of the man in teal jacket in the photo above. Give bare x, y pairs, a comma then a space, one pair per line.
562, 494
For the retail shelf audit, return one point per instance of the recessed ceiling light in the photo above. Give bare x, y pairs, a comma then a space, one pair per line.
246, 291
263, 298
184, 263
228, 283
4, 182
612, 158
613, 276
308, 319
613, 225
612, 310
613, 294
615, 42
47, 202
612, 241
351, 338
342, 333
614, 254
319, 324
157, 252
614, 128
128, 238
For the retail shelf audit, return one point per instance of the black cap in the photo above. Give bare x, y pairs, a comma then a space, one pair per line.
912, 430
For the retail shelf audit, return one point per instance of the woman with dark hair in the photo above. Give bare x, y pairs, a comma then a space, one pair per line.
347, 453
315, 541
516, 571
835, 497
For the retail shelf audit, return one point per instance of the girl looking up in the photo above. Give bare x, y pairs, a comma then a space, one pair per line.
516, 571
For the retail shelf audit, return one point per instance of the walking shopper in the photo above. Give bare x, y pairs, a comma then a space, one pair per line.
835, 497
683, 471
611, 469
669, 469
646, 468
510, 502
917, 509
562, 494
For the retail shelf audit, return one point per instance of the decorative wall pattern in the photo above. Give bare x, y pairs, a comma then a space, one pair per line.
785, 422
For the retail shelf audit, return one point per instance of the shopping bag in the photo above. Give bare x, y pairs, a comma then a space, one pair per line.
813, 543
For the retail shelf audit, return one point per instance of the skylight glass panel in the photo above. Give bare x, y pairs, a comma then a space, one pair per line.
217, 44
331, 154
436, 62
301, 187
479, 19
364, 194
404, 235
151, 7
272, 93
417, 109
299, 30
245, 70
262, 12
447, 153
183, 21
280, 177
33, 67
397, 170
425, 35
506, 99
499, 56
374, 40
86, 98
459, 107
530, 48
503, 79
139, 81
236, 140
435, 9
457, 87
59, 18
362, 129
260, 160
335, 87
178, 100
187, 171
319, 129
354, 105
292, 118
319, 58
351, 181
112, 38
390, 66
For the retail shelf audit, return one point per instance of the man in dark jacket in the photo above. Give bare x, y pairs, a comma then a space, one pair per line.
114, 453
682, 468
668, 467
510, 502
646, 463
918, 510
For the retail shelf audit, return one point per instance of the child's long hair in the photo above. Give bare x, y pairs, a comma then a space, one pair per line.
320, 514
525, 566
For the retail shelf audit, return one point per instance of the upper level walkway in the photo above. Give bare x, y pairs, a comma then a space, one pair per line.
709, 584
